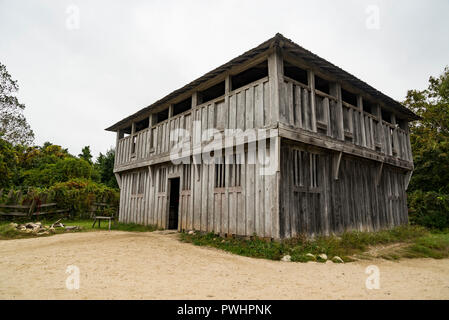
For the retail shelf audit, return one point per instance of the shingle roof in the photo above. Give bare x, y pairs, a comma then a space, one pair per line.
288, 45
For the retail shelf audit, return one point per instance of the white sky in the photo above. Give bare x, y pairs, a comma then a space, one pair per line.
128, 54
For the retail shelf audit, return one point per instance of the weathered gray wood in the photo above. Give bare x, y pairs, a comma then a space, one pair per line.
342, 149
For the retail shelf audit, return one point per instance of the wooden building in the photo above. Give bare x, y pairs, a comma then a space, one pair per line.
340, 148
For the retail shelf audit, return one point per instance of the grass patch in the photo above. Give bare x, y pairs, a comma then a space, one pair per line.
418, 242
8, 232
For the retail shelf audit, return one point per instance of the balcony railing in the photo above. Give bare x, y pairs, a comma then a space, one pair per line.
359, 128
243, 108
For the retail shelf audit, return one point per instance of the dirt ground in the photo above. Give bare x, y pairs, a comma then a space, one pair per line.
123, 265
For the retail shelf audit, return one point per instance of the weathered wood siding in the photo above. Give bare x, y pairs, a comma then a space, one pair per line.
244, 108
339, 120
251, 208
313, 202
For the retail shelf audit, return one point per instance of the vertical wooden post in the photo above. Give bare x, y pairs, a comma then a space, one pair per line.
133, 128
170, 110
311, 78
362, 119
395, 136
377, 112
276, 77
194, 99
335, 91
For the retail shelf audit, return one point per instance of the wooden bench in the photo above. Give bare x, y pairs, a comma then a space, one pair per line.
99, 218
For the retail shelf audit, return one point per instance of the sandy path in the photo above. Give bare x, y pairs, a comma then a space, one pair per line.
123, 265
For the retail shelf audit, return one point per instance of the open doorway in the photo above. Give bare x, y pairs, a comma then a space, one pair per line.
173, 204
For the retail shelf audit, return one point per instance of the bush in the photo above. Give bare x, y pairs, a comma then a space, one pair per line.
78, 195
63, 170
429, 209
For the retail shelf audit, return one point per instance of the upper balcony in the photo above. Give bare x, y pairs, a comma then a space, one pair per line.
354, 125
272, 91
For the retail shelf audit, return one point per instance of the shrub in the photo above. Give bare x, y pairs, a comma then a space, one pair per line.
429, 209
79, 195
63, 170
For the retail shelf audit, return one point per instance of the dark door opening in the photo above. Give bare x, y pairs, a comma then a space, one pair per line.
174, 204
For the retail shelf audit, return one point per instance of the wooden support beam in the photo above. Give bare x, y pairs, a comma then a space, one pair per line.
133, 128
151, 174
170, 111
408, 176
362, 119
119, 180
198, 171
194, 99
379, 173
335, 90
336, 164
228, 84
311, 79
377, 111
276, 76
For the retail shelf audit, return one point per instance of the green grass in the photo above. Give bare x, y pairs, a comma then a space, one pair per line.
417, 242
7, 232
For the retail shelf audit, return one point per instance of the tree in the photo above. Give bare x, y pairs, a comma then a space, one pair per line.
8, 164
105, 166
429, 187
430, 135
13, 125
86, 154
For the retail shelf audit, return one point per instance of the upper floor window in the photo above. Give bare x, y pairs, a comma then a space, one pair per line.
322, 85
403, 124
182, 106
211, 93
349, 97
142, 124
369, 106
250, 75
386, 116
295, 73
161, 116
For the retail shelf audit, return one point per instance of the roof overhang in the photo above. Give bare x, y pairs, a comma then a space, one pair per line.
278, 41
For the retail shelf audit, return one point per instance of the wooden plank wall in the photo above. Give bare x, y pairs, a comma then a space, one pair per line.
360, 128
356, 201
245, 210
244, 108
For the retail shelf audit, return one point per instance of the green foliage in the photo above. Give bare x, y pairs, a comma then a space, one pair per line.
345, 246
79, 195
8, 232
60, 171
105, 167
13, 125
8, 164
430, 135
429, 186
429, 209
86, 154
417, 240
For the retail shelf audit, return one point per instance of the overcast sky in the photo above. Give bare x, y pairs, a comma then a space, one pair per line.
78, 76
